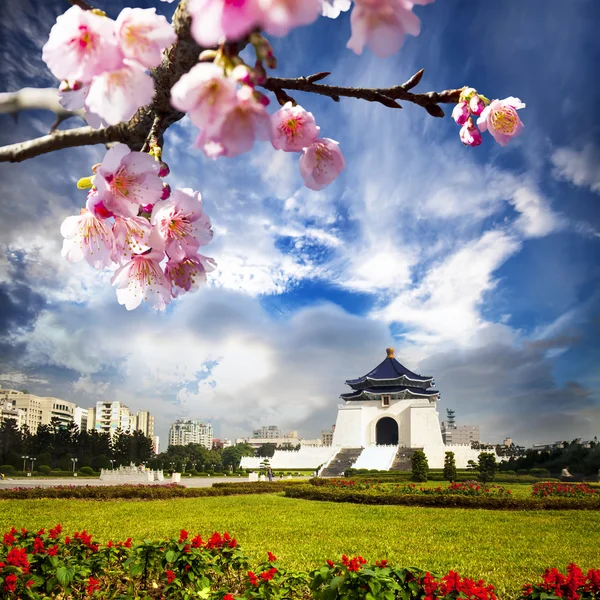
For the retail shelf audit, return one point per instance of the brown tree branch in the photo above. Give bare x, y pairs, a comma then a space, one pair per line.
37, 99
82, 4
82, 136
386, 96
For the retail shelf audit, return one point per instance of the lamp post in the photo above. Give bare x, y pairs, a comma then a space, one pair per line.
32, 461
112, 464
172, 466
24, 461
74, 461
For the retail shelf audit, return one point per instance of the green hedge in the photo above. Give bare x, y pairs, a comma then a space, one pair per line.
311, 492
137, 492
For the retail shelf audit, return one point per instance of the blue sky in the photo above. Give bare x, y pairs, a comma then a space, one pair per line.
479, 265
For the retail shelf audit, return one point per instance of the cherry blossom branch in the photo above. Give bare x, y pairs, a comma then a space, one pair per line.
387, 96
71, 138
82, 4
37, 99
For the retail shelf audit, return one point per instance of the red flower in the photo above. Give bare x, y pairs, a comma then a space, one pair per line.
268, 575
9, 538
92, 585
127, 543
10, 583
186, 548
272, 557
18, 558
29, 583
430, 585
170, 576
228, 597
330, 563
183, 535
197, 542
55, 532
38, 546
253, 578
53, 550
67, 540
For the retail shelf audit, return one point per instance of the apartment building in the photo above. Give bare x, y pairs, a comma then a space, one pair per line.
144, 422
184, 432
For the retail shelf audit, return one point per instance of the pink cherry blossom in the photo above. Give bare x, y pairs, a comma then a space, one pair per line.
279, 16
293, 128
73, 97
461, 113
131, 237
188, 274
143, 35
246, 122
215, 20
117, 95
382, 24
87, 237
501, 119
126, 180
142, 278
476, 104
469, 134
333, 8
179, 224
205, 94
96, 206
81, 45
321, 163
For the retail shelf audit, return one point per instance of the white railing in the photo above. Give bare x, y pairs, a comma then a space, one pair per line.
308, 457
376, 457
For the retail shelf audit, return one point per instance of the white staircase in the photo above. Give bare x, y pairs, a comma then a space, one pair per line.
376, 457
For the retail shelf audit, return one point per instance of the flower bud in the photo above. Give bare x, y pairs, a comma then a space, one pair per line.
164, 169
476, 104
242, 74
85, 183
469, 134
461, 113
261, 98
271, 60
166, 191
147, 208
260, 75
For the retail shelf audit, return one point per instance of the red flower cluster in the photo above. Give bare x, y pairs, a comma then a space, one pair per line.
381, 563
10, 583
9, 538
183, 535
465, 587
55, 532
568, 490
353, 564
38, 546
253, 578
220, 541
228, 597
171, 577
570, 586
272, 557
17, 557
92, 585
330, 563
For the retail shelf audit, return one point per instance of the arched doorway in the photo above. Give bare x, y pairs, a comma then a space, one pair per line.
386, 432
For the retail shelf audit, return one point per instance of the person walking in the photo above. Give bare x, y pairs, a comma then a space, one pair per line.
270, 474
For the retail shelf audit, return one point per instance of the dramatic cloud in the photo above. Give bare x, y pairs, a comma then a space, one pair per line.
580, 167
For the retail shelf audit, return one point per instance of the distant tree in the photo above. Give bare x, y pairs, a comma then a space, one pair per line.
471, 465
487, 466
266, 450
10, 440
288, 446
449, 467
420, 466
232, 456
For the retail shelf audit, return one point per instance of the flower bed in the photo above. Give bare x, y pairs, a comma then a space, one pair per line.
564, 490
447, 500
37, 565
139, 492
469, 488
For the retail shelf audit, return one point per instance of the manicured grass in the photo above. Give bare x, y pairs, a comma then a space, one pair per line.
505, 548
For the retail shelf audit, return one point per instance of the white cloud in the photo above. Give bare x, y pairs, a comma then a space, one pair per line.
536, 219
580, 167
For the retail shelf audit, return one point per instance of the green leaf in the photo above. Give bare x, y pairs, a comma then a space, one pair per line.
65, 575
335, 582
171, 556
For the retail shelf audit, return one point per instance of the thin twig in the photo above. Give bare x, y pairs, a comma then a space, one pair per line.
385, 96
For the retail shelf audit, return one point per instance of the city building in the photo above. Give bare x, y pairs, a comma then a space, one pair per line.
144, 422
460, 434
80, 417
219, 444
59, 410
184, 432
9, 411
327, 436
256, 442
112, 415
39, 410
268, 432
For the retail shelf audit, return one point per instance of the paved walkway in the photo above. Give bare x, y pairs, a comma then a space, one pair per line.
186, 481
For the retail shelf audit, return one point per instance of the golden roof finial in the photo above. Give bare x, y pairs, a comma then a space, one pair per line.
390, 352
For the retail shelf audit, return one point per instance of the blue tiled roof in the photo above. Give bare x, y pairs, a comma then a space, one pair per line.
389, 369
391, 389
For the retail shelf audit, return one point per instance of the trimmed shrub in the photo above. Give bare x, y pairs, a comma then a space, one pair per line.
44, 469
420, 466
449, 467
487, 466
509, 472
311, 492
537, 472
7, 469
86, 471
522, 472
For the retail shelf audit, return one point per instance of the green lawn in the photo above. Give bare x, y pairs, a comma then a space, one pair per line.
506, 548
